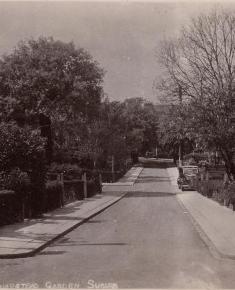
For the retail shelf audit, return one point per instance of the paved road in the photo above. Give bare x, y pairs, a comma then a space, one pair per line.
145, 240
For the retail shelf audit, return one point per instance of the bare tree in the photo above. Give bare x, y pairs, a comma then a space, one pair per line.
201, 62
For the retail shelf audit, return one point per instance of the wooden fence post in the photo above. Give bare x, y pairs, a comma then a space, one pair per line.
23, 209
126, 163
60, 179
113, 172
100, 181
100, 178
63, 192
84, 185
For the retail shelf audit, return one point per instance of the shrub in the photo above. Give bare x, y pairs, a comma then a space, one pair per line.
54, 195
71, 174
17, 181
10, 207
70, 171
73, 190
91, 188
19, 147
24, 148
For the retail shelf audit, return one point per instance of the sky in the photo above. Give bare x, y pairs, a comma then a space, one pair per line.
124, 37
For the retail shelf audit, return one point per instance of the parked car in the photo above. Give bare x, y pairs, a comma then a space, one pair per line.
187, 174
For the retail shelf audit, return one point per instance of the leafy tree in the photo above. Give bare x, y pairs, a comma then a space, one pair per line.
44, 79
44, 75
112, 137
175, 133
126, 126
141, 124
151, 128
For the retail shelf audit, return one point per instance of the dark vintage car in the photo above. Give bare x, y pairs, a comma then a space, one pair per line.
187, 174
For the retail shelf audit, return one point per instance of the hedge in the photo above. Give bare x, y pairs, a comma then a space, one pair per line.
54, 195
73, 190
10, 207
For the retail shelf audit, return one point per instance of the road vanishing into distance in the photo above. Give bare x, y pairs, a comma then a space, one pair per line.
146, 240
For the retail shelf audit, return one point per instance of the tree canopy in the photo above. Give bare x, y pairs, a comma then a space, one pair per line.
49, 76
132, 124
200, 64
52, 81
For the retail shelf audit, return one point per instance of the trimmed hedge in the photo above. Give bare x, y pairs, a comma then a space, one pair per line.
73, 190
10, 207
15, 206
54, 195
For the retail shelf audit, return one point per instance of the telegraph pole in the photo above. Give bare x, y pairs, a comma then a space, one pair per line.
180, 143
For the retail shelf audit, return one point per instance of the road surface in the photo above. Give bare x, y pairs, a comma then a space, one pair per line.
146, 240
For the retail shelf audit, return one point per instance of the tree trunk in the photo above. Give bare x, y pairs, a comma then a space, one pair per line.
181, 153
45, 124
228, 160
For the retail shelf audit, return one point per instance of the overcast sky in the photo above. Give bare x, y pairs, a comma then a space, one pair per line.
122, 36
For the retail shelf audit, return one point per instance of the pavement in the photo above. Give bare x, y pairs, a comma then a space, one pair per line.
128, 179
145, 240
27, 238
215, 222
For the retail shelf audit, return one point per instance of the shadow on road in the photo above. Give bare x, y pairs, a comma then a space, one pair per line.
148, 194
149, 179
156, 163
67, 242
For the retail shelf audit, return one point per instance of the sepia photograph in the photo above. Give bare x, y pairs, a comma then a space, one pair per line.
117, 144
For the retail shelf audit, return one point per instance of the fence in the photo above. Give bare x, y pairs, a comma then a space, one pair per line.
11, 208
61, 188
209, 181
214, 183
76, 185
